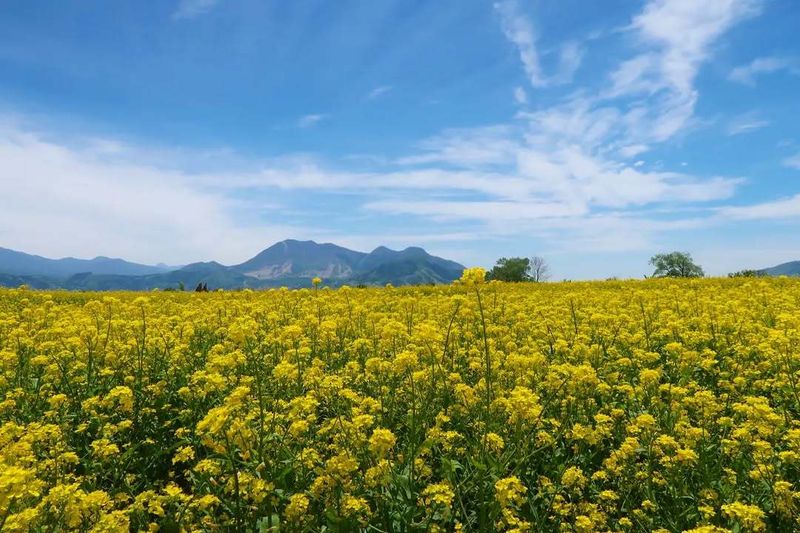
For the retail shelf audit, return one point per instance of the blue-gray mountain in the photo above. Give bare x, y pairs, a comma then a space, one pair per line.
791, 268
289, 263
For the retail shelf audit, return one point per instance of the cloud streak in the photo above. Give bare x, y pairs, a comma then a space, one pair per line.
378, 92
306, 121
192, 8
747, 74
746, 123
518, 29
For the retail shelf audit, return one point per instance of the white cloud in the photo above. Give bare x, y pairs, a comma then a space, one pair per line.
378, 91
518, 29
571, 57
193, 8
306, 121
746, 123
520, 96
567, 163
64, 201
778, 209
792, 161
682, 32
677, 37
632, 150
470, 147
746, 74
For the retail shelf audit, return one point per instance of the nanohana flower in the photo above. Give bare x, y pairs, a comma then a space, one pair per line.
381, 442
749, 517
510, 491
473, 276
580, 406
296, 509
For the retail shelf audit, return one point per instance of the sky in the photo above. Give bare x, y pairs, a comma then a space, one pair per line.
594, 134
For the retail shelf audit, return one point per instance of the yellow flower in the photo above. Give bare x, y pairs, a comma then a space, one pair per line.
494, 442
121, 398
297, 508
749, 517
104, 448
573, 478
440, 496
381, 442
523, 406
184, 454
473, 276
510, 491
355, 507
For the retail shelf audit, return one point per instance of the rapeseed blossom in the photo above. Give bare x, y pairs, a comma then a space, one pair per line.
657, 405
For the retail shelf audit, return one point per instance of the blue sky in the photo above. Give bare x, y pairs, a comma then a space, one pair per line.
592, 133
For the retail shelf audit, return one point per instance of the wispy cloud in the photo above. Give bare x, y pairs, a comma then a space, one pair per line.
747, 74
378, 91
746, 123
792, 161
778, 209
567, 163
520, 96
193, 8
677, 38
519, 30
307, 121
681, 33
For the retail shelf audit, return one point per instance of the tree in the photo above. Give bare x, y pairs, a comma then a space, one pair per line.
675, 265
539, 269
746, 274
511, 269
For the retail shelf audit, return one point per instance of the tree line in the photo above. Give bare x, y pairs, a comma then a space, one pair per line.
666, 265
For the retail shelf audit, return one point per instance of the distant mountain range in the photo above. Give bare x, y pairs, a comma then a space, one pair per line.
791, 268
289, 263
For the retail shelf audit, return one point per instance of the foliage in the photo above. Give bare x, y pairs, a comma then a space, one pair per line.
516, 269
675, 265
656, 405
510, 269
746, 274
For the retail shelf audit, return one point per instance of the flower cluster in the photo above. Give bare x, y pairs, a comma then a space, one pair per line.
656, 405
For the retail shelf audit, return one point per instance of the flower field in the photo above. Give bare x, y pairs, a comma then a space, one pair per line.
655, 405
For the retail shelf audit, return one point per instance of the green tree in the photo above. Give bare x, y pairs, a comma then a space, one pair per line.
745, 274
511, 269
675, 265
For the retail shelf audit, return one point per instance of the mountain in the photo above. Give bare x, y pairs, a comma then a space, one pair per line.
791, 268
301, 259
213, 274
22, 264
295, 262
412, 266
289, 263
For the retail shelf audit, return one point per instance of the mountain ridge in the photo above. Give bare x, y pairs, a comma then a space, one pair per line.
291, 263
790, 268
13, 262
